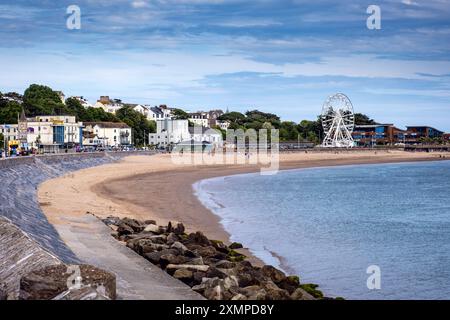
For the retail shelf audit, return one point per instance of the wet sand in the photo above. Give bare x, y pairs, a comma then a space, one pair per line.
153, 187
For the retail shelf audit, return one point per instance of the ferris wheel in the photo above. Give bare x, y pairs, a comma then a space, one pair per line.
338, 121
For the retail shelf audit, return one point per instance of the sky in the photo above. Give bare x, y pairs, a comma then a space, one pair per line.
279, 56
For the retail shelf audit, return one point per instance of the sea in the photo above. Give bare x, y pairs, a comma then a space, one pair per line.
378, 231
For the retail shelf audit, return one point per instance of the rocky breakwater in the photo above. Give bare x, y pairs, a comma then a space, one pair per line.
215, 270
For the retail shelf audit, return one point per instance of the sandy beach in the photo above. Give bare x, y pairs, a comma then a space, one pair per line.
153, 187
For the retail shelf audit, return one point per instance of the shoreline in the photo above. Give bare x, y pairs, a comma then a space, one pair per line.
144, 187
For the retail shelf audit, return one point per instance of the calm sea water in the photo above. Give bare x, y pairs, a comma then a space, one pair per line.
328, 225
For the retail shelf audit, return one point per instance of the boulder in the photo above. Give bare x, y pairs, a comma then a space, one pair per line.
155, 256
214, 272
51, 281
184, 275
136, 225
147, 222
290, 283
84, 293
198, 277
183, 249
199, 238
112, 221
225, 264
273, 292
152, 228
300, 294
196, 260
236, 245
220, 246
239, 297
253, 292
167, 259
191, 267
124, 229
274, 274
214, 289
175, 227
172, 238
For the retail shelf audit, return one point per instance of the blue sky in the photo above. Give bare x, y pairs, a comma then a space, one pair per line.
279, 56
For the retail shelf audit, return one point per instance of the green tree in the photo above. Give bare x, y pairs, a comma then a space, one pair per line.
2, 140
42, 100
9, 111
179, 114
362, 119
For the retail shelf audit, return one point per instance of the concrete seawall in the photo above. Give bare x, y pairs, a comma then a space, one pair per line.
19, 179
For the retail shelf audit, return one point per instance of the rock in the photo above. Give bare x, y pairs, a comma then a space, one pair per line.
146, 245
235, 245
172, 238
290, 283
179, 228
184, 275
239, 297
220, 246
183, 249
214, 289
112, 221
300, 294
214, 272
196, 260
207, 252
199, 238
198, 277
124, 229
155, 256
152, 228
175, 227
225, 264
274, 274
136, 225
191, 267
49, 282
273, 292
84, 293
167, 259
147, 222
253, 292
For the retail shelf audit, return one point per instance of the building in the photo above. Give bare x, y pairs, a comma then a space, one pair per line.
205, 134
106, 134
418, 134
43, 133
377, 134
169, 132
83, 101
446, 137
199, 118
109, 105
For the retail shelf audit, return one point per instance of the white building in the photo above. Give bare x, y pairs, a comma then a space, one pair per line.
109, 105
203, 134
199, 118
106, 134
83, 101
169, 131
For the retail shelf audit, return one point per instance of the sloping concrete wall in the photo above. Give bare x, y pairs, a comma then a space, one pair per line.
19, 179
19, 255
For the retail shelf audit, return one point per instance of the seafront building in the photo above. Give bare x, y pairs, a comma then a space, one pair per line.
170, 132
106, 134
388, 134
42, 133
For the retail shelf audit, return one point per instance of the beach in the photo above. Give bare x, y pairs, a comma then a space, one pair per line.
153, 187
